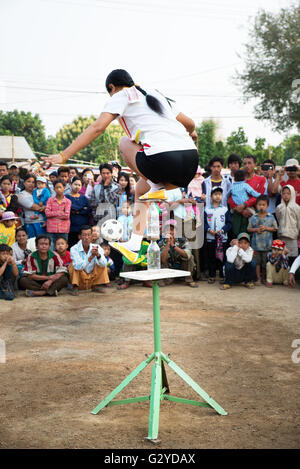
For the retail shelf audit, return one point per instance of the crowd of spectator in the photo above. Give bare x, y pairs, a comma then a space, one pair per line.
50, 227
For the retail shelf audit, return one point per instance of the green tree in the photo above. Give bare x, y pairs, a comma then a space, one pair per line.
259, 151
291, 147
101, 150
206, 141
272, 70
237, 142
25, 124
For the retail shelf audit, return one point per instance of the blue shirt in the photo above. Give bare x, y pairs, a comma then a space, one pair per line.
80, 258
80, 210
127, 223
262, 241
241, 191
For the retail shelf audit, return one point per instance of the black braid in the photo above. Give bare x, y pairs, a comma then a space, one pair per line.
120, 77
152, 102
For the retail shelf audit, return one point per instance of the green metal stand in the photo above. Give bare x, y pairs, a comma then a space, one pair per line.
159, 384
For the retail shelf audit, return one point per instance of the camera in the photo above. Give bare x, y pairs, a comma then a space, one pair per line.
291, 168
266, 167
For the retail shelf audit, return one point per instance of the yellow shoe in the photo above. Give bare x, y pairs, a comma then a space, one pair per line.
162, 195
130, 255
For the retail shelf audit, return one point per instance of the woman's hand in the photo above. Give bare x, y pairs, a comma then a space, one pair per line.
194, 136
291, 280
52, 160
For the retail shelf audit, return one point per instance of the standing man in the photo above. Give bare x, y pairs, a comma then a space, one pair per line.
216, 179
3, 169
63, 173
105, 195
291, 169
258, 183
234, 164
268, 169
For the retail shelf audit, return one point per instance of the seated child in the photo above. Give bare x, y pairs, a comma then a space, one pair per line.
61, 247
110, 263
262, 225
96, 235
21, 248
8, 273
277, 265
40, 195
240, 266
8, 228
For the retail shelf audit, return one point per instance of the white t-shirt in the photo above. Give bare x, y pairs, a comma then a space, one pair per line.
157, 133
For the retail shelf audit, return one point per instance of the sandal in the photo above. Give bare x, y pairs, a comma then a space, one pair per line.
225, 286
249, 285
29, 293
211, 280
123, 286
97, 290
192, 284
147, 284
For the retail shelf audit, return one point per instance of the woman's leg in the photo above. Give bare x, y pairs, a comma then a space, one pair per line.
128, 150
140, 208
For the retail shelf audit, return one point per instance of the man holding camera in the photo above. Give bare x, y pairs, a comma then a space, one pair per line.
268, 169
291, 169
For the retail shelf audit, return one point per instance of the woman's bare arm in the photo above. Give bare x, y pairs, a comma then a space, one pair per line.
89, 135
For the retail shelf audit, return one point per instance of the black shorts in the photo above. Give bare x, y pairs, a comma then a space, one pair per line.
173, 167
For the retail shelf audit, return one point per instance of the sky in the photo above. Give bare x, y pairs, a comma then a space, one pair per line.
55, 56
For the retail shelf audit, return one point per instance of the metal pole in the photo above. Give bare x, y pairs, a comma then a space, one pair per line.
156, 316
13, 148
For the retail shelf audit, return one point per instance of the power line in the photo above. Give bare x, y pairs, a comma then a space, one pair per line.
105, 93
52, 89
160, 9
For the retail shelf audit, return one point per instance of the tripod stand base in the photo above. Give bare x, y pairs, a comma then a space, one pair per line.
159, 392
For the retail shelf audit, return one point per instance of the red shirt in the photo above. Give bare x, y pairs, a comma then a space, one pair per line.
258, 183
296, 185
66, 259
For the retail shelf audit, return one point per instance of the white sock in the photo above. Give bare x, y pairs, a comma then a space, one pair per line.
134, 243
155, 187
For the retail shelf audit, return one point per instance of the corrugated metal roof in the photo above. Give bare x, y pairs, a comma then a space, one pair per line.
15, 148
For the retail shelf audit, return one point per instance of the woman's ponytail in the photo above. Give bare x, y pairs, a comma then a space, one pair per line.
120, 77
152, 102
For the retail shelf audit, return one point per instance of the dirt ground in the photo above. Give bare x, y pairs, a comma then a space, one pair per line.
65, 354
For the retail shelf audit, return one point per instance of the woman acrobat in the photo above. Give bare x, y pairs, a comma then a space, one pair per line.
159, 146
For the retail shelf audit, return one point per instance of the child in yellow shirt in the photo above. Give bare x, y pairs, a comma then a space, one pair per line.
8, 228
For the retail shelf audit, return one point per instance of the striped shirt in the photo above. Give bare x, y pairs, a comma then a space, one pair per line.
54, 264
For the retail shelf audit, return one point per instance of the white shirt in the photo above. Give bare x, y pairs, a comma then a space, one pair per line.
295, 265
80, 258
238, 256
157, 133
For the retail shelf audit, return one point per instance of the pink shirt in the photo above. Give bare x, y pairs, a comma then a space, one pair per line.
58, 215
